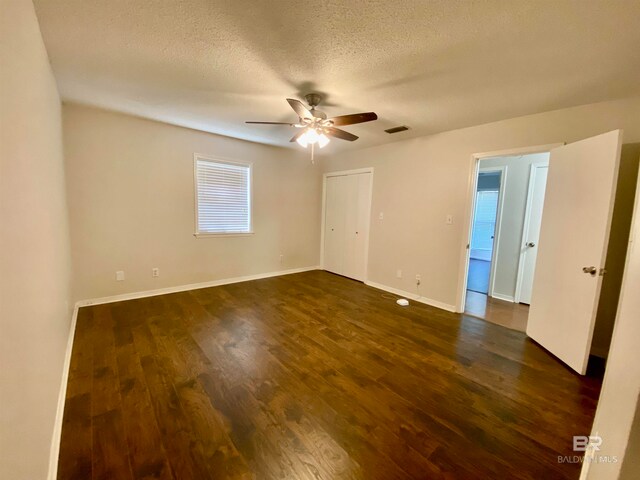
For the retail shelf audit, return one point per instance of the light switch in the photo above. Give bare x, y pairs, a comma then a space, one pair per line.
120, 275
381, 216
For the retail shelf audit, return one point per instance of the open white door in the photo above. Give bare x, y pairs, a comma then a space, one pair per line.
531, 232
574, 234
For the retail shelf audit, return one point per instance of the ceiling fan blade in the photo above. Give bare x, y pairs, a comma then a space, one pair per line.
354, 118
273, 123
299, 108
341, 134
297, 135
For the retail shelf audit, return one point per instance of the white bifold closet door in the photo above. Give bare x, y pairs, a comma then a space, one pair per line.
346, 228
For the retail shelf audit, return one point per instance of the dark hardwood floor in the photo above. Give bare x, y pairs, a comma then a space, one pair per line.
312, 376
508, 314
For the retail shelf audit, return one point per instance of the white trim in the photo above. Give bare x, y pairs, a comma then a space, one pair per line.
354, 171
54, 451
211, 158
324, 206
413, 296
470, 206
208, 235
525, 227
506, 298
469, 214
514, 152
192, 286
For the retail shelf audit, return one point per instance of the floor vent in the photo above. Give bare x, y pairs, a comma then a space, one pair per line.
401, 128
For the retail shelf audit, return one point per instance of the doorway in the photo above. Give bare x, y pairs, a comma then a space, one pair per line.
504, 228
483, 232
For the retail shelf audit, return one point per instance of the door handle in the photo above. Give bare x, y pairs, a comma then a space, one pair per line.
531, 244
590, 270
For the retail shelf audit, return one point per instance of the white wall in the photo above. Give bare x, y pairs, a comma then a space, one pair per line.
509, 242
620, 394
34, 253
419, 181
131, 205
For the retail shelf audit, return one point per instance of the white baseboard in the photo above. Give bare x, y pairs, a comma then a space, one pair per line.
413, 296
54, 451
191, 286
506, 298
57, 427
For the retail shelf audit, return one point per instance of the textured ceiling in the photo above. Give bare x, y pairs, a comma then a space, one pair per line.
432, 65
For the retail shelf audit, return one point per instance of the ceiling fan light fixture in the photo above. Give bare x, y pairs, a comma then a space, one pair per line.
316, 127
312, 135
302, 140
323, 140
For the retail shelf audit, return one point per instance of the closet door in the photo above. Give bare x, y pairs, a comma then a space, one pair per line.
334, 226
357, 211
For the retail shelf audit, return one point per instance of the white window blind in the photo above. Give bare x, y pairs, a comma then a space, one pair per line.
484, 223
223, 197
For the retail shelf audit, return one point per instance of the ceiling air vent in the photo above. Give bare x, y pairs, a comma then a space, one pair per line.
401, 128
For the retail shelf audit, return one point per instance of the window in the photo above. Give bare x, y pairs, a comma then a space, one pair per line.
223, 197
484, 223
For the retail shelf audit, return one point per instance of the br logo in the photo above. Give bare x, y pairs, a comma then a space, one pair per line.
582, 442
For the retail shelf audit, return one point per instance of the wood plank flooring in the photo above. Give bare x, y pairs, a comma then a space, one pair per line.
508, 314
312, 376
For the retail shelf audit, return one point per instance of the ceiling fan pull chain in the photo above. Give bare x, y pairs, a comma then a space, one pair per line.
313, 149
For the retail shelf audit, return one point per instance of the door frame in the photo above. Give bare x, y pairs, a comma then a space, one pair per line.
525, 228
341, 173
470, 208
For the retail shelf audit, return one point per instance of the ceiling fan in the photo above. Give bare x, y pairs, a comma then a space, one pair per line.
316, 127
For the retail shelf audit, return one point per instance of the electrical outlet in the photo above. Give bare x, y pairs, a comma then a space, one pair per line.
120, 275
418, 279
449, 219
155, 272
281, 258
399, 273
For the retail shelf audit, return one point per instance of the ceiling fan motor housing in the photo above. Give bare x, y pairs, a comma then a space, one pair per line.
313, 99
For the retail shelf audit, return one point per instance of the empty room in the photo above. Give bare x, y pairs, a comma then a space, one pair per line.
319, 239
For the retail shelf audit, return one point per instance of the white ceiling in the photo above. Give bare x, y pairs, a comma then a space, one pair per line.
432, 65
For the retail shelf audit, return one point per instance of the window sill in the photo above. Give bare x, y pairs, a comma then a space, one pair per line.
230, 234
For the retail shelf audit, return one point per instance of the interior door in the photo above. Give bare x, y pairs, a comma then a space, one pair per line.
357, 224
351, 220
531, 231
573, 240
334, 230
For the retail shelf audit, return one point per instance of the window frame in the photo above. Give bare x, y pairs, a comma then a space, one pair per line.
217, 159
